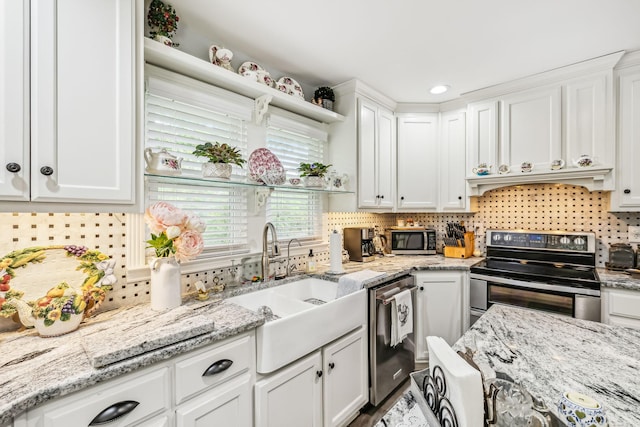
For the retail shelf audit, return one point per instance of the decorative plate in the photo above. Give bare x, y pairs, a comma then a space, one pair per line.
504, 169
255, 72
28, 274
289, 86
264, 162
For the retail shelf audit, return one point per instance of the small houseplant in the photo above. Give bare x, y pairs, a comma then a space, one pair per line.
221, 157
313, 173
163, 22
324, 97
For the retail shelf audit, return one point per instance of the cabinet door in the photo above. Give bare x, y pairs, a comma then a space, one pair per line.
531, 128
586, 117
417, 163
452, 171
386, 159
439, 308
83, 100
14, 100
292, 397
628, 183
227, 405
367, 143
346, 380
483, 134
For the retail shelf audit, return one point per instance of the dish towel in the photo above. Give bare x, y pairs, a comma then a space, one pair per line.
401, 317
353, 282
463, 382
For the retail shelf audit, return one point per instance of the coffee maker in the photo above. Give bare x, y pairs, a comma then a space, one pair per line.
358, 241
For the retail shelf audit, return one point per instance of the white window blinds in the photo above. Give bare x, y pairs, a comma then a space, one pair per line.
179, 116
295, 214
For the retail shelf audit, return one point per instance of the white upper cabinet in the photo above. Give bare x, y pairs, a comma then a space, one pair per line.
68, 106
627, 194
530, 128
14, 100
376, 156
83, 103
483, 134
417, 163
453, 188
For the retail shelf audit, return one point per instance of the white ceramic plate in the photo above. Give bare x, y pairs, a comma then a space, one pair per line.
255, 72
289, 86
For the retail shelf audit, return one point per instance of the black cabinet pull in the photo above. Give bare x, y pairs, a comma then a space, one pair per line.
217, 367
46, 170
319, 374
114, 412
13, 167
627, 191
332, 365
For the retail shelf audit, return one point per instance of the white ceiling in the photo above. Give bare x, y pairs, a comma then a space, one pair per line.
404, 47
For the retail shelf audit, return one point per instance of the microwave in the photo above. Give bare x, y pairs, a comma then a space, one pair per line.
413, 241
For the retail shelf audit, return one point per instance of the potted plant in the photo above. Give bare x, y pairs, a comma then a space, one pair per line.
221, 157
163, 22
324, 97
313, 173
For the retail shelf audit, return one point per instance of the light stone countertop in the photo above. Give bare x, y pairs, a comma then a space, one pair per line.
34, 370
550, 354
618, 279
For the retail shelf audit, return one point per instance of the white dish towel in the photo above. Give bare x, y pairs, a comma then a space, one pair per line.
464, 383
401, 317
353, 282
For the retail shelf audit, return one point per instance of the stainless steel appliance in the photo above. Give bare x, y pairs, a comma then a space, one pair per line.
542, 270
358, 241
388, 366
412, 241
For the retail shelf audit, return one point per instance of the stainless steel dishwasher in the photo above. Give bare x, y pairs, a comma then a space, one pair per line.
388, 366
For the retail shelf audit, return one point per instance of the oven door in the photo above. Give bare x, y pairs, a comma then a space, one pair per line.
530, 298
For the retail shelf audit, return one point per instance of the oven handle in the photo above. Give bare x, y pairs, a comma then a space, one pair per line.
386, 301
536, 285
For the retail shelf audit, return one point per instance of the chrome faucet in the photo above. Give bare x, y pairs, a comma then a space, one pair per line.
274, 249
288, 249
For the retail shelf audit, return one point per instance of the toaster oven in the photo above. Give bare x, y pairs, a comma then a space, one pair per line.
412, 241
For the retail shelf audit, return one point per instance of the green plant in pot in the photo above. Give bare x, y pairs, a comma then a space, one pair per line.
324, 97
221, 157
163, 22
313, 173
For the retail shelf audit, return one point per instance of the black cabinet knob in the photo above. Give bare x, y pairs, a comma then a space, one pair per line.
319, 374
332, 365
627, 191
382, 197
377, 196
114, 412
422, 288
459, 197
13, 167
402, 198
46, 170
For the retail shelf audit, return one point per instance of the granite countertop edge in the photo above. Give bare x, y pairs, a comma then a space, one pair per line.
617, 280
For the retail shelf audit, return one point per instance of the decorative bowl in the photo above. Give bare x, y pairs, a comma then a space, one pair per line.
557, 164
526, 167
294, 181
273, 177
579, 410
504, 169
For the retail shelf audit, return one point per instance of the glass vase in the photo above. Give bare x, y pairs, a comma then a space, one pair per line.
165, 284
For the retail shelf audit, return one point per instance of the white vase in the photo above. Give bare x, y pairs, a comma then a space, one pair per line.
165, 284
216, 170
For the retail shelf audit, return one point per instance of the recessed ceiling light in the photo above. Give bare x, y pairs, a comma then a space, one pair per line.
437, 90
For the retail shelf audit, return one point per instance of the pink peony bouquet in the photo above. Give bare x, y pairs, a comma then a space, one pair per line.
174, 232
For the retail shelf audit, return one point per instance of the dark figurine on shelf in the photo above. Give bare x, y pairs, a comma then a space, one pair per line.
324, 97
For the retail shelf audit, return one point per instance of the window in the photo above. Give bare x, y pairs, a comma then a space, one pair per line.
295, 214
181, 114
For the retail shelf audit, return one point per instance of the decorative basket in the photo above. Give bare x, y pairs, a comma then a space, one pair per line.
216, 170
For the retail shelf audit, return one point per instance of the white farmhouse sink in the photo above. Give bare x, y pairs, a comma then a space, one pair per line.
308, 317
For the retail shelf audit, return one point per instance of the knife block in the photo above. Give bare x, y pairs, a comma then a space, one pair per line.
460, 251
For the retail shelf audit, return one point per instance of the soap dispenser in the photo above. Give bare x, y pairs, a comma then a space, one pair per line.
311, 262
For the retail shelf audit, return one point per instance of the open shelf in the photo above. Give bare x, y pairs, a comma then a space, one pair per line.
208, 182
172, 59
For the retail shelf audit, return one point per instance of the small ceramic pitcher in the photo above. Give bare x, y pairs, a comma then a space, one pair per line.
482, 169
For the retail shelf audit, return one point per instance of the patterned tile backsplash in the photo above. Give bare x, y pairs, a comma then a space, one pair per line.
541, 207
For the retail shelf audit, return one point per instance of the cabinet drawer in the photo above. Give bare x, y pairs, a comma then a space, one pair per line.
224, 361
150, 390
625, 304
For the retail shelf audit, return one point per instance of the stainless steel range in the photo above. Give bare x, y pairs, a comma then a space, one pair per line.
542, 270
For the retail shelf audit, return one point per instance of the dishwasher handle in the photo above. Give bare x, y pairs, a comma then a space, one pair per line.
388, 300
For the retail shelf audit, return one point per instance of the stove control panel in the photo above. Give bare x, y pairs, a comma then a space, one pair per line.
551, 240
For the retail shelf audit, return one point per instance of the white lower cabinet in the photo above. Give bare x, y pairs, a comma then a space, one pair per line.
227, 405
621, 307
125, 401
326, 388
441, 307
